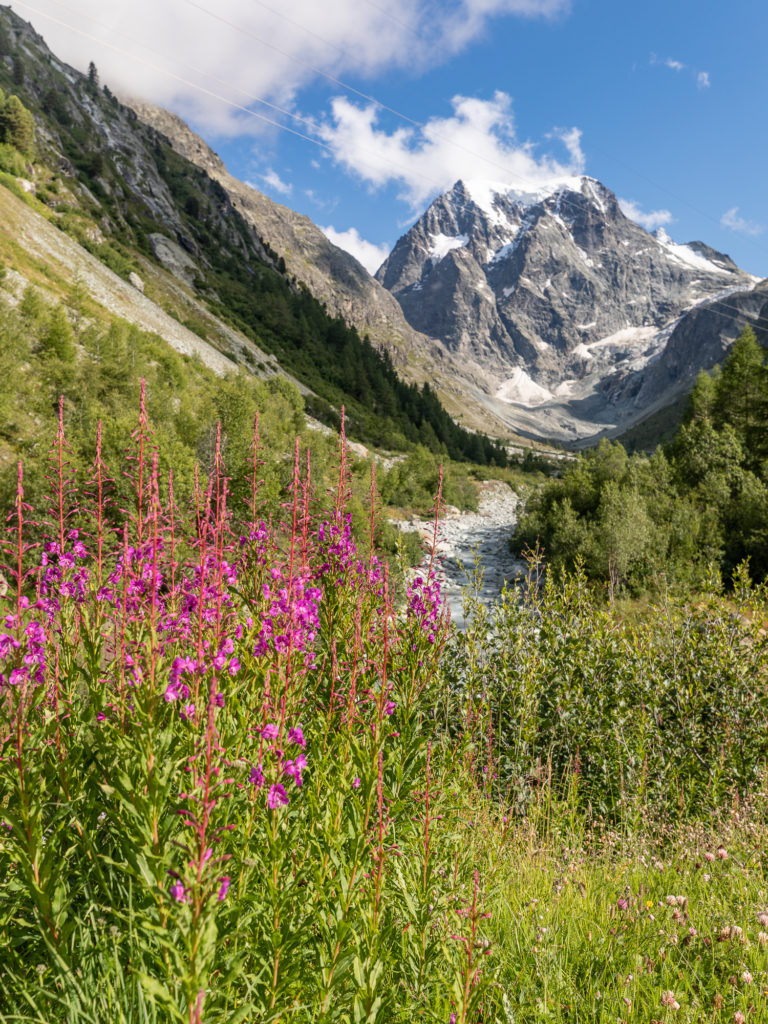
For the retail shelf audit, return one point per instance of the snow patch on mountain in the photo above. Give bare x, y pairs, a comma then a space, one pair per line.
522, 389
686, 255
485, 194
442, 244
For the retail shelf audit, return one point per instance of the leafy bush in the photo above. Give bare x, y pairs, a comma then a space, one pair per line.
661, 716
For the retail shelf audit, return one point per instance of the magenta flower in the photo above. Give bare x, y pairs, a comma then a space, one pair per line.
224, 888
270, 731
179, 893
293, 769
297, 736
355, 783
257, 776
389, 707
277, 796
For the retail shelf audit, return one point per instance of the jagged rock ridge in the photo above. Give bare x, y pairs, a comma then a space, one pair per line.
558, 301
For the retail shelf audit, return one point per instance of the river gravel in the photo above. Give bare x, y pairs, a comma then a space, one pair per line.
467, 536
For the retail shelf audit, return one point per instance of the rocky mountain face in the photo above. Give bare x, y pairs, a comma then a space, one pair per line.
573, 319
331, 274
338, 280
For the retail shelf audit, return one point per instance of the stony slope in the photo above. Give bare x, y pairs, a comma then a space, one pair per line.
115, 185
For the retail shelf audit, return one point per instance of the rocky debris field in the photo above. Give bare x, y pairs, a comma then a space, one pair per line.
465, 537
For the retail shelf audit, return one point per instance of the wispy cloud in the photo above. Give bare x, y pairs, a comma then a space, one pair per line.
370, 255
650, 221
700, 77
201, 56
274, 182
734, 222
477, 141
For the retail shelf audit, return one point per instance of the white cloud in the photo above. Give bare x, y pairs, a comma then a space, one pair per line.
478, 141
702, 77
650, 221
197, 55
273, 180
732, 220
370, 255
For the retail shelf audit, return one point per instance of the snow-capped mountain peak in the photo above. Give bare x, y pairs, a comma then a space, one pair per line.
548, 289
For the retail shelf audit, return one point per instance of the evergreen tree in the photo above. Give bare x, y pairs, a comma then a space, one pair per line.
17, 126
58, 337
741, 393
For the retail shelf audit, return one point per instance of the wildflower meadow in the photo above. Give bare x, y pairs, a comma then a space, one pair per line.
249, 772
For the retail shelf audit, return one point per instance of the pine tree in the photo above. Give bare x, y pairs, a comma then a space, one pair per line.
17, 126
741, 393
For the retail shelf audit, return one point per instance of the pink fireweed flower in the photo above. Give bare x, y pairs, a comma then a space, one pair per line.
293, 769
179, 893
8, 643
296, 736
224, 888
277, 796
257, 776
389, 707
270, 731
355, 783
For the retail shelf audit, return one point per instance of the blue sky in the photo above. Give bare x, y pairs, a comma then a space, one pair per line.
661, 101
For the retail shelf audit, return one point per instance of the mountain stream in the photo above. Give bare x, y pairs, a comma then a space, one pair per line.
464, 537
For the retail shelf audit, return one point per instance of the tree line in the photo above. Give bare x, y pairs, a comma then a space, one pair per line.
696, 504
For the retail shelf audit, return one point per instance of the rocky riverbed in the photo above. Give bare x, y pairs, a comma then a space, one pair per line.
467, 536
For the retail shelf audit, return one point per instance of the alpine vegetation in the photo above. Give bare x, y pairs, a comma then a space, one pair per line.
246, 775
